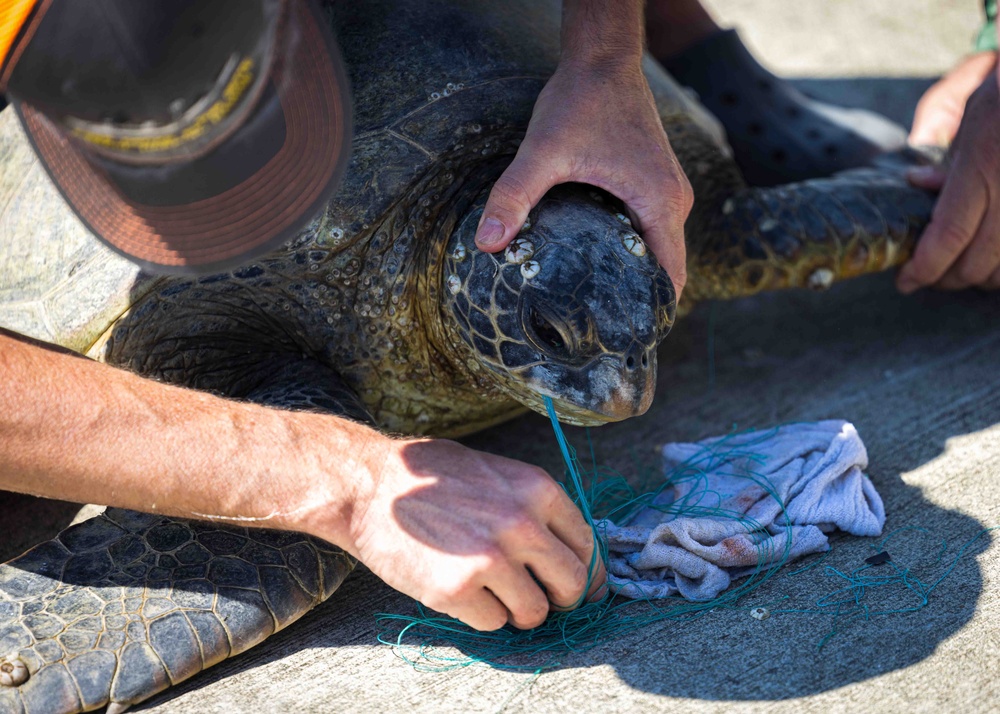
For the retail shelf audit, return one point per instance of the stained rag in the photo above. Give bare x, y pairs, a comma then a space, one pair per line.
739, 502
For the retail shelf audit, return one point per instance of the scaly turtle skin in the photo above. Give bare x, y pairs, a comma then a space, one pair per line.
383, 311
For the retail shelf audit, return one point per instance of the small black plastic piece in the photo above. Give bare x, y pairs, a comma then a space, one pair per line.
878, 558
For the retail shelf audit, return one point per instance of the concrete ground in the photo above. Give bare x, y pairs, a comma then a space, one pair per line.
919, 378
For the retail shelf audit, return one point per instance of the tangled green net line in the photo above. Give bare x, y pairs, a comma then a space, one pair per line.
432, 642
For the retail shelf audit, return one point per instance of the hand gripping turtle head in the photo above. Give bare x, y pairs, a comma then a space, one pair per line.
573, 309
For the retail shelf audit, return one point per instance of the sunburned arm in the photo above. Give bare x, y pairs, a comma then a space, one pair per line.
595, 122
459, 530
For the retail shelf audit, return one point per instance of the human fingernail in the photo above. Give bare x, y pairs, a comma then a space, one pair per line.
925, 175
490, 233
922, 171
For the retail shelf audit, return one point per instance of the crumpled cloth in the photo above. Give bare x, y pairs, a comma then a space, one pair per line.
682, 544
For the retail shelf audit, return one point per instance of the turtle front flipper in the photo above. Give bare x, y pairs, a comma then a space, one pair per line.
124, 605
806, 235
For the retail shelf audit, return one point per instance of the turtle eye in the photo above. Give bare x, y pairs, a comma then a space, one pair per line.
546, 335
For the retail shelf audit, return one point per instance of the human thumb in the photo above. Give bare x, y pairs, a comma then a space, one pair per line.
519, 188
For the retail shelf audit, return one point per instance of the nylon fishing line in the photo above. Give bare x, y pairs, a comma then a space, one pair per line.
428, 641
895, 581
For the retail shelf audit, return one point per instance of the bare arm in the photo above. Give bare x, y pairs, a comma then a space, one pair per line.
595, 122
457, 529
68, 423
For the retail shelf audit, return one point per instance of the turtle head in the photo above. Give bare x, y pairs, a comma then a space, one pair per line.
573, 309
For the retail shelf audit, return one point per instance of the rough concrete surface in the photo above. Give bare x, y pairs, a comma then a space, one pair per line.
917, 375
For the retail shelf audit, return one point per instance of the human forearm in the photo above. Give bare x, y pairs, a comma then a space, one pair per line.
597, 32
74, 429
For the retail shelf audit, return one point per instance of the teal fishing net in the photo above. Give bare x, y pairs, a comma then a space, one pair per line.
432, 642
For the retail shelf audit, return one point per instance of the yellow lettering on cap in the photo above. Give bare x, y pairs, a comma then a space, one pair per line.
232, 93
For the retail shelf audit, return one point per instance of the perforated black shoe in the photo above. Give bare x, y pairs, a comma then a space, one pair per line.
778, 134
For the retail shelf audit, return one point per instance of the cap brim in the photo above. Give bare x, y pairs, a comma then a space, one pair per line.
255, 190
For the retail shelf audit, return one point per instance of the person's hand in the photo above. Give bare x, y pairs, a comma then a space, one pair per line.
939, 111
597, 125
472, 535
960, 248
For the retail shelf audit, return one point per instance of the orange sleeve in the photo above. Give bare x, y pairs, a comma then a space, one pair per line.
13, 14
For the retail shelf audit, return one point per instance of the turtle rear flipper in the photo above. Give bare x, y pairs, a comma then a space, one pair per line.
124, 605
808, 234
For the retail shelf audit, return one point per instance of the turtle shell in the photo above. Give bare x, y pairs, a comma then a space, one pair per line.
57, 283
431, 81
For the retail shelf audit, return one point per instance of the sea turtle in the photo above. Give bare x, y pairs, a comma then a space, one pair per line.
382, 310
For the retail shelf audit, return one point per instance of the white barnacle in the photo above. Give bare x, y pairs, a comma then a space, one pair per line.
768, 224
459, 253
760, 613
821, 279
519, 250
728, 207
527, 225
624, 219
530, 268
13, 671
634, 244
435, 96
454, 284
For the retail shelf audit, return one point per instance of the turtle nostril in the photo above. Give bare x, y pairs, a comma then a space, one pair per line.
636, 357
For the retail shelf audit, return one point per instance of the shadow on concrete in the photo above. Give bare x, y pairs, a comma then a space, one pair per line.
911, 374
901, 369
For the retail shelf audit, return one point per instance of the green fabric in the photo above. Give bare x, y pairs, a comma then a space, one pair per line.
987, 38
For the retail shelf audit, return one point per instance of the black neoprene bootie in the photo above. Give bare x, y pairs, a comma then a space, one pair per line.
777, 133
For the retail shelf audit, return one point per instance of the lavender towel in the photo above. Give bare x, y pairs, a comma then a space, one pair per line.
685, 544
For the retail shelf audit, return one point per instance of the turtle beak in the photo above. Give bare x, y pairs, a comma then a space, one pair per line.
633, 394
612, 388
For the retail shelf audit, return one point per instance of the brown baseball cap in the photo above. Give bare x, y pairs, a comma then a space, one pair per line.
188, 135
